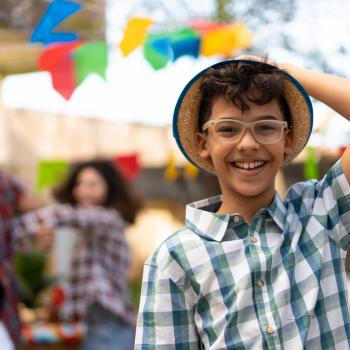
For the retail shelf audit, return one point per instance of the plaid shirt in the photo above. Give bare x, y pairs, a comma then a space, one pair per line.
100, 262
11, 191
278, 283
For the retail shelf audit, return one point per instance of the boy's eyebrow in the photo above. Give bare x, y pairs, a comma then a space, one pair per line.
262, 117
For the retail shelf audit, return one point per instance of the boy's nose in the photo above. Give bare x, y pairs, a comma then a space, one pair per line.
247, 140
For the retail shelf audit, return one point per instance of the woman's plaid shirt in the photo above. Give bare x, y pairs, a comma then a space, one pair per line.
100, 262
278, 283
11, 190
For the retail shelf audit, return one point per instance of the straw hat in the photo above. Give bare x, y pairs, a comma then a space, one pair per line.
185, 119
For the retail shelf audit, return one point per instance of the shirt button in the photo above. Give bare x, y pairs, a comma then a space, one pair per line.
261, 283
269, 330
253, 239
236, 218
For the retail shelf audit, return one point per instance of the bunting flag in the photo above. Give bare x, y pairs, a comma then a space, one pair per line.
56, 12
70, 63
51, 173
135, 34
129, 165
171, 173
311, 169
157, 51
184, 41
56, 59
225, 40
89, 58
191, 171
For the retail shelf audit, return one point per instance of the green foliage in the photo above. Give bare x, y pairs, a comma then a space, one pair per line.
30, 270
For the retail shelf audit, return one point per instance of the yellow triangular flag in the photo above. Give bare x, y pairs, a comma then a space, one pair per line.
243, 35
171, 173
223, 41
191, 171
134, 34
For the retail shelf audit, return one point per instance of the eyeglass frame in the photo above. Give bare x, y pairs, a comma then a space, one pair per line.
246, 125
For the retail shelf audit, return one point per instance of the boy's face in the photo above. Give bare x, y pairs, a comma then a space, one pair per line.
245, 168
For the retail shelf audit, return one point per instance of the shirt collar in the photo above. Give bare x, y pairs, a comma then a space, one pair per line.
202, 219
201, 216
278, 211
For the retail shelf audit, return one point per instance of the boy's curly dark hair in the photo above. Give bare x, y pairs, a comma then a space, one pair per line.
242, 82
119, 193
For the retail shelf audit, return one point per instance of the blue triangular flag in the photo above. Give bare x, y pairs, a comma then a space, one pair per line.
163, 46
56, 13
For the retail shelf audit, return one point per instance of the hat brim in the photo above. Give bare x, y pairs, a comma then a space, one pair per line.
186, 113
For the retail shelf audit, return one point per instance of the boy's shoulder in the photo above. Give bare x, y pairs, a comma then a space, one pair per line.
313, 187
173, 247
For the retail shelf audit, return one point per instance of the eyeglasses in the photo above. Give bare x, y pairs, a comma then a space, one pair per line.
231, 130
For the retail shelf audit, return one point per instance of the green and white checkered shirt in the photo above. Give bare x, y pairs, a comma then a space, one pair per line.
278, 283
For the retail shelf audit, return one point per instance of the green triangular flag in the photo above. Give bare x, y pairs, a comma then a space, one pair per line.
311, 169
90, 58
51, 173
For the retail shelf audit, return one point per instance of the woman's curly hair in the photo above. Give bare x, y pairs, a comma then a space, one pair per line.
120, 195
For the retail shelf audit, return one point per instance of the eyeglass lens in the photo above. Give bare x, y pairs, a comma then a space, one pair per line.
264, 131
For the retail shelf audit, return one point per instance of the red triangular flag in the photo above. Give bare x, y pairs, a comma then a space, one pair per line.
128, 165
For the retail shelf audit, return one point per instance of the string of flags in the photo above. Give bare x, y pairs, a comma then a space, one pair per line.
52, 172
70, 60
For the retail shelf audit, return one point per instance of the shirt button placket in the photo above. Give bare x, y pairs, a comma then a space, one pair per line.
261, 283
269, 330
253, 239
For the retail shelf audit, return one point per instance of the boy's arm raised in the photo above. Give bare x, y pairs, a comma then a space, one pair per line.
332, 90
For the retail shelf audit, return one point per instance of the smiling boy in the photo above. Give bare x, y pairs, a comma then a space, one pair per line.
250, 270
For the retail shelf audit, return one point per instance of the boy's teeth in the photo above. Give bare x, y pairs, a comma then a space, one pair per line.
248, 165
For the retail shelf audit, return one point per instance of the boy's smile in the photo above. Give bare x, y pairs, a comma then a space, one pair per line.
246, 169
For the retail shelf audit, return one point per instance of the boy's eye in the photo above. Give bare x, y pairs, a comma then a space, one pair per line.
228, 129
266, 127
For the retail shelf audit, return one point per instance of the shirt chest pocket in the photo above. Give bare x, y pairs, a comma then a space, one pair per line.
301, 296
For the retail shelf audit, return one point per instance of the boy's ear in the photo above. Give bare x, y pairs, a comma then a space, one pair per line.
288, 143
202, 145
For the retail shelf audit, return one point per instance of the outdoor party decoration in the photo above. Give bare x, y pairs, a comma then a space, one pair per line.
224, 40
90, 57
311, 169
128, 164
135, 34
190, 171
70, 63
57, 60
51, 173
171, 173
56, 12
161, 48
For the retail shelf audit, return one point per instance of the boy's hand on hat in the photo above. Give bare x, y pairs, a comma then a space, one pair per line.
264, 59
287, 67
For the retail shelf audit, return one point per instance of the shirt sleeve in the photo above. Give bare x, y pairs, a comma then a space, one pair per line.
165, 319
96, 219
334, 194
15, 190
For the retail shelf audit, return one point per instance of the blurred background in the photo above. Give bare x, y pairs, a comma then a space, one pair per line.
100, 78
